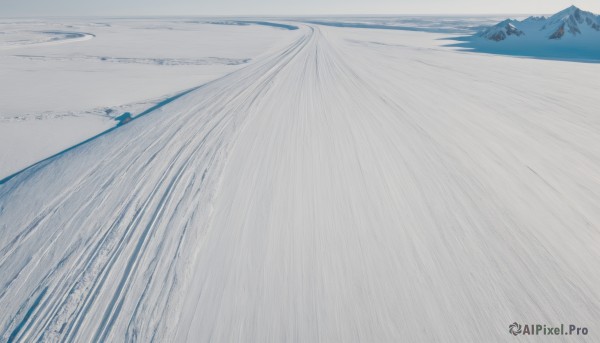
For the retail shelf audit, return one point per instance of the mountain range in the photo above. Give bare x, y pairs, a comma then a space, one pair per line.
569, 24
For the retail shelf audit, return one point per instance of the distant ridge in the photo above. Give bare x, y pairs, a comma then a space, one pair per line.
569, 35
567, 24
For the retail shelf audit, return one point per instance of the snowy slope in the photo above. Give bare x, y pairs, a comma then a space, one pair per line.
357, 185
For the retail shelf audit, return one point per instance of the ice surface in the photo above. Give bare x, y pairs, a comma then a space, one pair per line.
77, 75
351, 185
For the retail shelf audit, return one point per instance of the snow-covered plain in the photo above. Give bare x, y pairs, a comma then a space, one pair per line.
353, 185
64, 80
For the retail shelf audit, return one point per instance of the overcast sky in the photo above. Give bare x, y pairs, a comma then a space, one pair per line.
284, 7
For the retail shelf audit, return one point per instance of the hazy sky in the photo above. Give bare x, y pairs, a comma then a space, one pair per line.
283, 7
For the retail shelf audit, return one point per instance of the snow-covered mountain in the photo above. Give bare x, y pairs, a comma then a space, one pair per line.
501, 30
570, 23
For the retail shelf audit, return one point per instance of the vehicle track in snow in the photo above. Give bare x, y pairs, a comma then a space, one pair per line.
332, 191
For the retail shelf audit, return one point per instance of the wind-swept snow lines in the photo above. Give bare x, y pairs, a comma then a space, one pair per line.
138, 201
330, 191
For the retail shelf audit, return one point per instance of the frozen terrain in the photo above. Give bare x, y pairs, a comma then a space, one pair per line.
348, 184
436, 24
64, 80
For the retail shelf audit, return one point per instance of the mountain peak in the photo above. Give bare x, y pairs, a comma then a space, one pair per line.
570, 22
571, 10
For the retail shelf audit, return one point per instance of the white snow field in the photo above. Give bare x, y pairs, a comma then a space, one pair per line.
356, 185
64, 80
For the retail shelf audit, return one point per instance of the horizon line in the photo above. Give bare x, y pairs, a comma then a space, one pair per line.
265, 15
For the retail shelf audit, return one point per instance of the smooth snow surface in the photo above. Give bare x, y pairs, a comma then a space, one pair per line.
357, 185
65, 80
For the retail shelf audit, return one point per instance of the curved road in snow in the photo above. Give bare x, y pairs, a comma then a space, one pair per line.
343, 189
